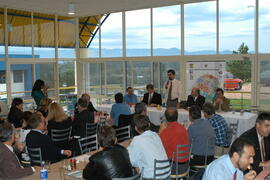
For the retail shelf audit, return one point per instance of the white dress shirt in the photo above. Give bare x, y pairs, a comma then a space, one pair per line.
176, 89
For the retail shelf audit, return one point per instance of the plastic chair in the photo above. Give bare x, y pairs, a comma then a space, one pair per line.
123, 133
88, 144
91, 128
35, 156
125, 120
60, 135
162, 169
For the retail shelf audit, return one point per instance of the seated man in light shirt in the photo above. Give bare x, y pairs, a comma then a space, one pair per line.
10, 167
146, 147
232, 165
130, 98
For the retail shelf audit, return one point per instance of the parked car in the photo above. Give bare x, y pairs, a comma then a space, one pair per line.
232, 83
265, 78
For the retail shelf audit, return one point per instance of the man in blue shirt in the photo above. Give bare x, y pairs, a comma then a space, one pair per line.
119, 108
232, 165
130, 98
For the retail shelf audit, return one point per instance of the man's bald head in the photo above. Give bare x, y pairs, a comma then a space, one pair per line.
171, 114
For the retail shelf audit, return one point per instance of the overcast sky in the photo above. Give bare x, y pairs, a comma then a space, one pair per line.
236, 26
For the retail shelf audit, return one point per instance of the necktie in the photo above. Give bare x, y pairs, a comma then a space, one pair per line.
263, 150
235, 175
149, 98
170, 92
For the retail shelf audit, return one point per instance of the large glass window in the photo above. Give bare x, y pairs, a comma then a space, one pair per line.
200, 28
166, 31
19, 34
44, 43
66, 77
23, 87
115, 78
3, 88
66, 37
264, 26
2, 34
94, 73
236, 25
138, 33
46, 72
111, 33
264, 95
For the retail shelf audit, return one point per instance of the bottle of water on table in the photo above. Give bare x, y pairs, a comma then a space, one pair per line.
43, 171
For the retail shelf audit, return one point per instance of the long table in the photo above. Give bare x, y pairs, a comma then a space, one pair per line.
54, 173
246, 120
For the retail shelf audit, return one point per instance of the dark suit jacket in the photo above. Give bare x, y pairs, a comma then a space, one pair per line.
79, 123
156, 99
49, 151
199, 101
252, 136
9, 165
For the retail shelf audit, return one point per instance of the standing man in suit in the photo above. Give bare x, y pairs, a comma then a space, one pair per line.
172, 90
10, 167
195, 98
259, 135
152, 98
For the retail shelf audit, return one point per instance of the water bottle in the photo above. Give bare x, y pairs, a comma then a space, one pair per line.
43, 172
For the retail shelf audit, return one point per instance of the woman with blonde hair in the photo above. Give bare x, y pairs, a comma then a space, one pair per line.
43, 107
57, 119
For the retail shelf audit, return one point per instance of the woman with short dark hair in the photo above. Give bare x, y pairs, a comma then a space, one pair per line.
39, 91
15, 115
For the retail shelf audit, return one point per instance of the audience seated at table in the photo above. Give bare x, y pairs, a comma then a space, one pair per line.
57, 119
146, 147
90, 105
130, 98
15, 115
119, 108
221, 103
37, 139
111, 161
84, 116
10, 167
231, 166
259, 136
44, 104
151, 98
202, 136
219, 125
195, 98
172, 134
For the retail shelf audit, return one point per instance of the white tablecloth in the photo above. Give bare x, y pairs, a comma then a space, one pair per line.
246, 120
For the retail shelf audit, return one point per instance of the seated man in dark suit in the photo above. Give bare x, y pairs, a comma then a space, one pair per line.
152, 98
112, 161
90, 106
84, 116
259, 135
195, 98
10, 167
37, 139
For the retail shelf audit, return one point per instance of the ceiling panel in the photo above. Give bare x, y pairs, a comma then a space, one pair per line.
87, 7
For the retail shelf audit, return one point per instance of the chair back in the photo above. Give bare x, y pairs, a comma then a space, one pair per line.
35, 156
125, 120
91, 128
135, 177
123, 133
162, 169
198, 175
232, 131
88, 144
60, 135
182, 152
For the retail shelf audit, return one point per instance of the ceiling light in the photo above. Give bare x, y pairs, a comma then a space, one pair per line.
71, 9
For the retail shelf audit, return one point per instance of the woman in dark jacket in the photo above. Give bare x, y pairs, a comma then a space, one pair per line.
112, 161
15, 115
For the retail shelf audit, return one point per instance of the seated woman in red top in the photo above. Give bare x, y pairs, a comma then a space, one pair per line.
172, 134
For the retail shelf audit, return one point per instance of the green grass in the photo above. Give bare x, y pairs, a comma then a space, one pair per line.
238, 104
